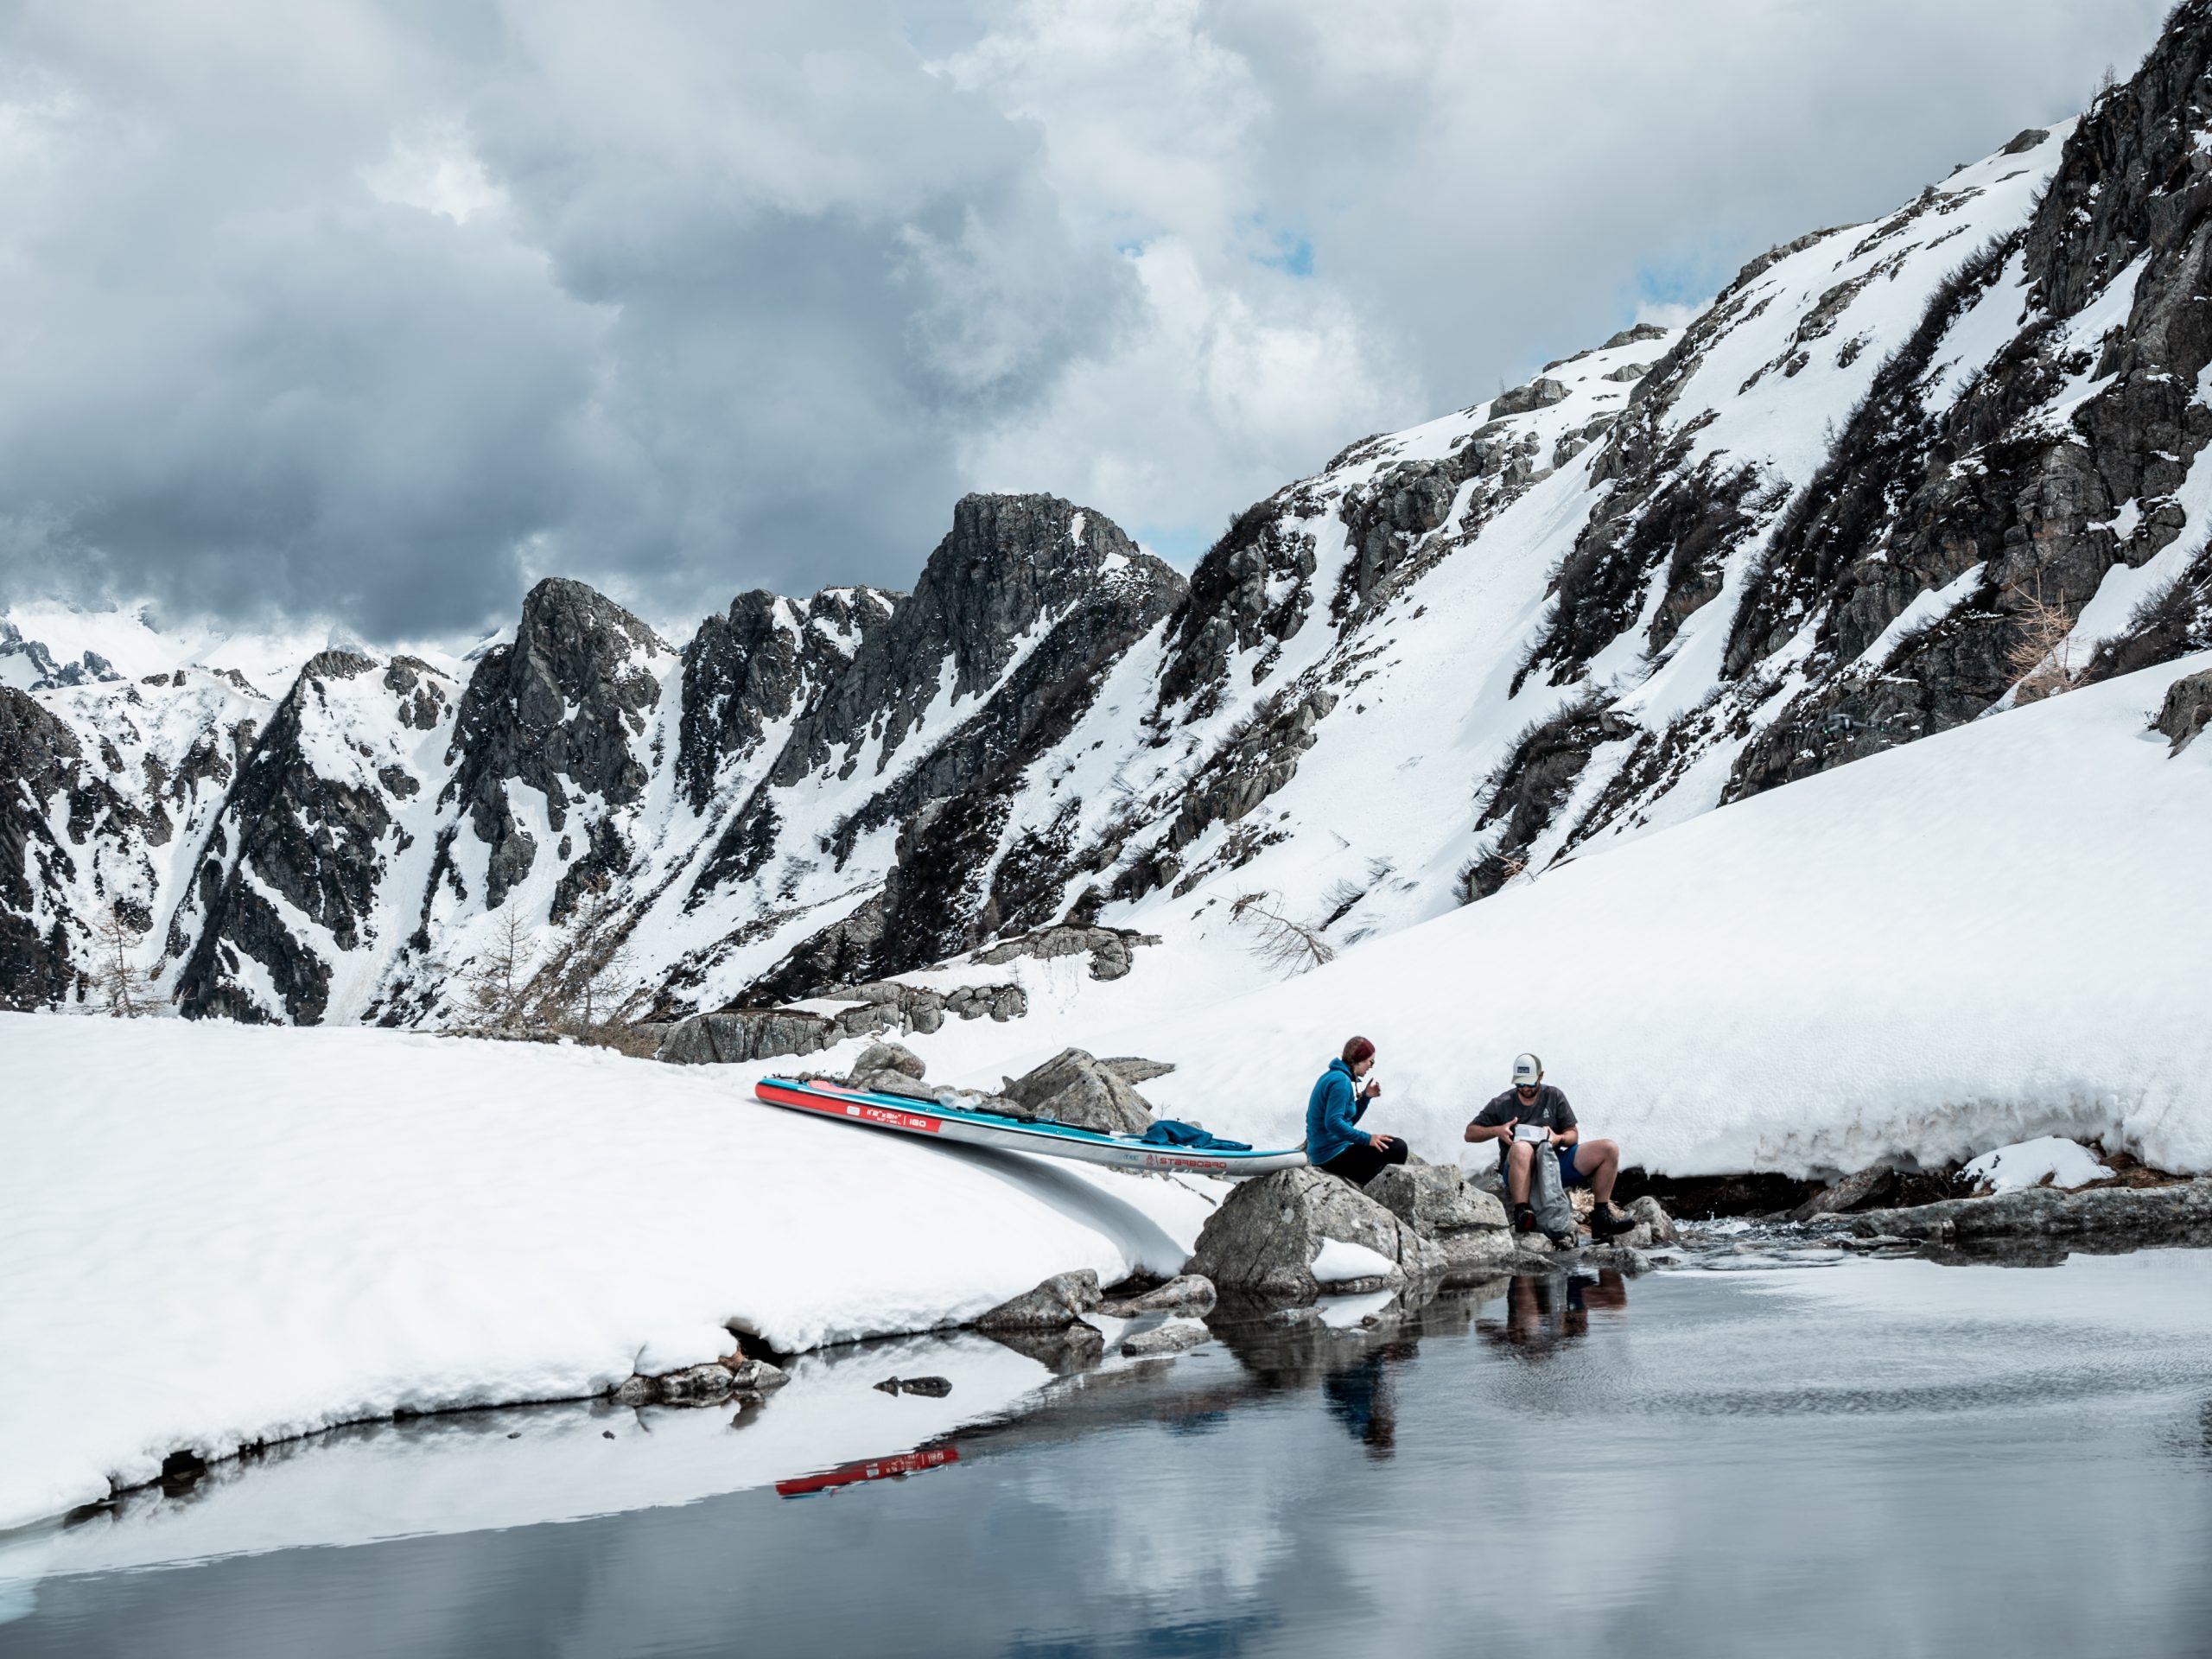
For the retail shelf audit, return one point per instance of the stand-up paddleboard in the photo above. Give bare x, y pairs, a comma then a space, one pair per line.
973, 1128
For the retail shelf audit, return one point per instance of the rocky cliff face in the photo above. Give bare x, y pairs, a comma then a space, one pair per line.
1896, 476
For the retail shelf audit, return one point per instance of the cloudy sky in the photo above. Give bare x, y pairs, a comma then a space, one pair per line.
382, 311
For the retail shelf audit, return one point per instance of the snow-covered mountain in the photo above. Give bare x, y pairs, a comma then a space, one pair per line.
1895, 478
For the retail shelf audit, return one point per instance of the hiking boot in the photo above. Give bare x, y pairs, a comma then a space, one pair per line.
1524, 1218
1610, 1221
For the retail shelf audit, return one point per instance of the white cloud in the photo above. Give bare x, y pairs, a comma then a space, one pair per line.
434, 168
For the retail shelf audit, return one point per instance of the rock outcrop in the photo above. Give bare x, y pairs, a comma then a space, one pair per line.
1262, 1240
1060, 1301
1074, 1089
1467, 1224
2186, 711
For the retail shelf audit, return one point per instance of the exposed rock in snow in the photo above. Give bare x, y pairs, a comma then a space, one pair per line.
1061, 1300
1074, 1089
734, 1039
2187, 710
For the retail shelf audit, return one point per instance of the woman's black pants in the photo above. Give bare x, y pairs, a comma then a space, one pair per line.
1361, 1164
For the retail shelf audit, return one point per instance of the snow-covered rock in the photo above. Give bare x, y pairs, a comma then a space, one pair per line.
2047, 1160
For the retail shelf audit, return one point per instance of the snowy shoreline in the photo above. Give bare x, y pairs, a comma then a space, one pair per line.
307, 1228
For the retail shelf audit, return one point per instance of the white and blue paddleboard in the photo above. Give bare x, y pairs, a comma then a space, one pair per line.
939, 1122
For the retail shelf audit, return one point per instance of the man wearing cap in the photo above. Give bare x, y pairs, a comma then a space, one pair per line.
1531, 1100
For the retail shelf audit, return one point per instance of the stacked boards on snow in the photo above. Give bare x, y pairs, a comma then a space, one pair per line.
939, 1122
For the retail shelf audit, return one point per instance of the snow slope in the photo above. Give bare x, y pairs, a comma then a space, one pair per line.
2001, 932
212, 1234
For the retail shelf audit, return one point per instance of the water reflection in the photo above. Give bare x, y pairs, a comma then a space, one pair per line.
1545, 1311
1246, 1497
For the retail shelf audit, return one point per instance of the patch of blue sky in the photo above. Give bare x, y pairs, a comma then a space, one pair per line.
1280, 249
1181, 545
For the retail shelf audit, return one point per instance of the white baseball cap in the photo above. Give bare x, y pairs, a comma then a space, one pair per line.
1528, 1071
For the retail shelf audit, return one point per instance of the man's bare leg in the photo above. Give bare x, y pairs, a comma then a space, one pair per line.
1598, 1163
1518, 1162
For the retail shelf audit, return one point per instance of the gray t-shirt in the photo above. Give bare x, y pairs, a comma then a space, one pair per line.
1550, 1110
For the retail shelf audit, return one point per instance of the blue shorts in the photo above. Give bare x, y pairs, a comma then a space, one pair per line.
1568, 1174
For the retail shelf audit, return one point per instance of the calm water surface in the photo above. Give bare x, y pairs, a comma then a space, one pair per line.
1874, 1457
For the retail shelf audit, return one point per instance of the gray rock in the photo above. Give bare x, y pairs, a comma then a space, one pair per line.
1185, 1293
1073, 1088
1649, 1213
733, 1038
754, 1375
1060, 1300
889, 1056
1634, 335
2186, 711
1629, 371
894, 1083
1172, 1338
933, 1388
1475, 1251
637, 1391
2137, 1215
1537, 394
1620, 1257
1435, 1199
697, 1385
1262, 1240
1133, 1071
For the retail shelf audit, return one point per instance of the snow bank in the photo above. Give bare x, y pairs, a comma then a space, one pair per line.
2000, 931
212, 1234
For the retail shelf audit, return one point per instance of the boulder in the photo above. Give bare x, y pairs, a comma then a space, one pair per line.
1537, 394
1466, 1223
2186, 711
1172, 1338
889, 1056
697, 1385
1185, 1294
734, 1037
1061, 1300
1650, 1213
1434, 1198
1262, 1240
1074, 1089
754, 1376
932, 1388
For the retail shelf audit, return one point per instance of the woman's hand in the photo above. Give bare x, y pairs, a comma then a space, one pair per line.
1380, 1142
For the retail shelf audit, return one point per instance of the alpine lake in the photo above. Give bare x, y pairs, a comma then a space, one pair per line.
1766, 1449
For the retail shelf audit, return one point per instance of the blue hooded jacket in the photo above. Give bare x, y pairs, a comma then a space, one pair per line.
1331, 1112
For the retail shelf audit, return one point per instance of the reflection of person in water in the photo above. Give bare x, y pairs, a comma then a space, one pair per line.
1364, 1398
1541, 1312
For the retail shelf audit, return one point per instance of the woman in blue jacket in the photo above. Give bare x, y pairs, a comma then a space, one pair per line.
1333, 1141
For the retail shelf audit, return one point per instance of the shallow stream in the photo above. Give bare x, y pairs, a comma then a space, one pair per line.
1875, 1456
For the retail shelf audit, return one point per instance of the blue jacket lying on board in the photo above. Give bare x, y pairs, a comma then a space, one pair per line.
1331, 1112
1167, 1132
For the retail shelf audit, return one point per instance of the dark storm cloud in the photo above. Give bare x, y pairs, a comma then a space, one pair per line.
378, 311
